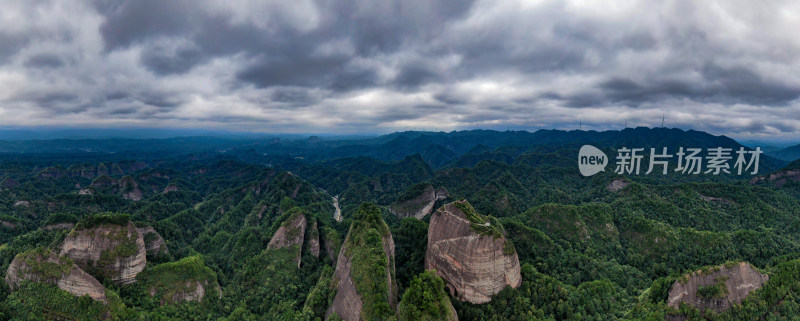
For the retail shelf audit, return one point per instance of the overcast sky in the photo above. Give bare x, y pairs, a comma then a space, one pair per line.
344, 66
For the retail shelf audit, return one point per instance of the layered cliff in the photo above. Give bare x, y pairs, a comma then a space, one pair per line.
112, 249
418, 201
717, 288
42, 265
313, 240
291, 233
365, 270
470, 253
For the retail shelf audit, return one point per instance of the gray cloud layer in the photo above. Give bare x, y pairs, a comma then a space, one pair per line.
730, 67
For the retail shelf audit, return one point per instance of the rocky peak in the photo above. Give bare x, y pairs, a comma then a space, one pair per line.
130, 189
365, 269
716, 288
42, 265
103, 181
188, 279
292, 232
470, 253
110, 250
313, 240
418, 201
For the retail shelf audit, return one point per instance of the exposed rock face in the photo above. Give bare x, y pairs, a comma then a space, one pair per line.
153, 242
22, 203
292, 232
8, 224
42, 265
103, 181
473, 266
313, 242
53, 172
170, 282
196, 295
170, 188
421, 205
779, 178
714, 199
113, 251
332, 243
617, 184
86, 191
130, 189
738, 280
348, 303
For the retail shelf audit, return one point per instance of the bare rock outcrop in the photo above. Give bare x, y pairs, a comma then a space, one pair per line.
8, 224
358, 248
292, 232
53, 172
42, 265
170, 188
112, 251
130, 189
103, 181
313, 240
153, 242
618, 184
470, 253
779, 178
197, 294
717, 288
420, 205
171, 284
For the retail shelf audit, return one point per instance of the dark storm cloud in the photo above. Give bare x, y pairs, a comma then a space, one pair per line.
163, 62
729, 85
44, 61
315, 65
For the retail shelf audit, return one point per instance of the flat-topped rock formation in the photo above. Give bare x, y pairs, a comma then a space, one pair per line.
717, 288
470, 253
111, 251
42, 265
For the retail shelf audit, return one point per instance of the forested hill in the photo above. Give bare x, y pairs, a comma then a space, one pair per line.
790, 153
320, 229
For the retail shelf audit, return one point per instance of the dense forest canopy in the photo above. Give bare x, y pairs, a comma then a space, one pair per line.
244, 228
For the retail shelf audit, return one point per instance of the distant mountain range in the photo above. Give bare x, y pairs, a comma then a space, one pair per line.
788, 154
439, 149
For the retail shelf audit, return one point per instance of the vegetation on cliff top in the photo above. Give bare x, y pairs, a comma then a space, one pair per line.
425, 299
179, 276
369, 262
96, 220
